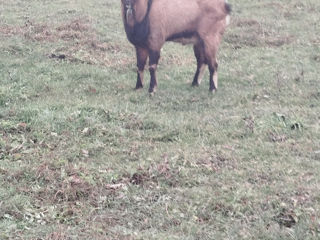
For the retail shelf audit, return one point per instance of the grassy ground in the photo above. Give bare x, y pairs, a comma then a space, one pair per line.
83, 156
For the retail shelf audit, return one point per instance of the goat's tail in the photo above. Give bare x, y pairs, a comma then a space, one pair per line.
228, 10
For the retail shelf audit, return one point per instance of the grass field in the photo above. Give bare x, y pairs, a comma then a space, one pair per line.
83, 156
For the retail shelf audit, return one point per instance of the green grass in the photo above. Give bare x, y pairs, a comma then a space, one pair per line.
83, 156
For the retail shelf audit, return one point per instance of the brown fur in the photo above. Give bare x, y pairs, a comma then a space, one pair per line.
150, 23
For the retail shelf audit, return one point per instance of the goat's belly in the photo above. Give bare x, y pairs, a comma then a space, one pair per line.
184, 38
185, 41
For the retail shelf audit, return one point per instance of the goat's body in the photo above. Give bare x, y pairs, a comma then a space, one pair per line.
197, 22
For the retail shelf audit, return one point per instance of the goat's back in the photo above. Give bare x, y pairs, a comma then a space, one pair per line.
186, 15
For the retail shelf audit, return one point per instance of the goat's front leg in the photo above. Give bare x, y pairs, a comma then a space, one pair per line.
154, 57
142, 56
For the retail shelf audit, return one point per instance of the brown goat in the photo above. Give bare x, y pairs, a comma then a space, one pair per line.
150, 23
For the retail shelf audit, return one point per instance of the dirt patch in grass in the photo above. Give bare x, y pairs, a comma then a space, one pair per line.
8, 30
154, 175
278, 41
315, 41
245, 22
68, 184
59, 234
216, 161
276, 137
286, 218
275, 5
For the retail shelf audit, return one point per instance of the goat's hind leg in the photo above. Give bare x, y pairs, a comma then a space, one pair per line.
142, 56
213, 70
211, 49
200, 56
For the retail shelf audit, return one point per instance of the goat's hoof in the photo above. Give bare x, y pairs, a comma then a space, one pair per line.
195, 84
152, 90
151, 94
212, 90
138, 87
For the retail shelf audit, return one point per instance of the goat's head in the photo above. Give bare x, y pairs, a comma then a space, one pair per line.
128, 3
128, 6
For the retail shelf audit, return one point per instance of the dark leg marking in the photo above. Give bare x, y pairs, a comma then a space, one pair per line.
154, 57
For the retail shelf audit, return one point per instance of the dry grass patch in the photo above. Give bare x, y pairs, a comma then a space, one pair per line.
253, 33
77, 29
82, 42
